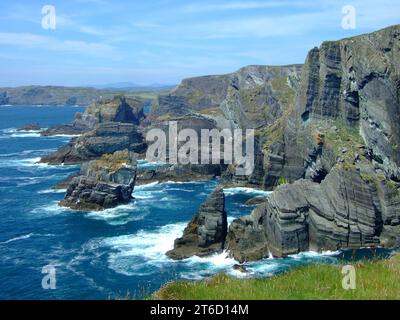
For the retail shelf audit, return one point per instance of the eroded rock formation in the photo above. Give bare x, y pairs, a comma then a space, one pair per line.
206, 233
103, 183
349, 209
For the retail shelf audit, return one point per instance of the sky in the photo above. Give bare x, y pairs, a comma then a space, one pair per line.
163, 41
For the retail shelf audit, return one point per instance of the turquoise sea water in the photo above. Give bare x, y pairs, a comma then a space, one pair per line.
99, 255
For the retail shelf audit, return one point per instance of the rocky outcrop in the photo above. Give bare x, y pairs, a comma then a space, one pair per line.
349, 209
206, 233
30, 127
117, 109
4, 98
106, 138
179, 172
103, 183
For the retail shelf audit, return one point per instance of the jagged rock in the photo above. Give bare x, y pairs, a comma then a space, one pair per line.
30, 127
240, 267
206, 233
106, 138
103, 183
348, 209
179, 172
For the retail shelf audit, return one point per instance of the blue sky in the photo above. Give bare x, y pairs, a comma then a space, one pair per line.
163, 41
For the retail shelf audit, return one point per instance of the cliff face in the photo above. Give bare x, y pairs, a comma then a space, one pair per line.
355, 84
343, 137
253, 96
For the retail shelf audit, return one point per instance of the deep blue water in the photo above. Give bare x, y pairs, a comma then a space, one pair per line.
97, 255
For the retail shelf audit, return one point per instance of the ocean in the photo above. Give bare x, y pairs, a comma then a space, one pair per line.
112, 254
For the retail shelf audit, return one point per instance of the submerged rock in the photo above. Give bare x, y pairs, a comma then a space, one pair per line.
103, 183
206, 233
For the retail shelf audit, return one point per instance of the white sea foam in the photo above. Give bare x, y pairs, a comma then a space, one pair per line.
46, 191
145, 164
26, 236
64, 136
50, 209
119, 215
26, 134
243, 190
143, 252
314, 254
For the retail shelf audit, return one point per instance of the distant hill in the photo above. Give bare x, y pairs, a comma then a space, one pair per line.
55, 95
133, 87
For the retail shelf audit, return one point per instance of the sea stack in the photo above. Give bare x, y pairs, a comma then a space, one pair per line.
103, 183
206, 232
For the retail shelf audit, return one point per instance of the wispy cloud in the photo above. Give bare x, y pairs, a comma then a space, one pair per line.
237, 5
29, 40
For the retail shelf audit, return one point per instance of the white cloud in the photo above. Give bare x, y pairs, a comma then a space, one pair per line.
29, 40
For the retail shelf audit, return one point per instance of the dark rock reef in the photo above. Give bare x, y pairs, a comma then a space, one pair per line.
103, 183
206, 233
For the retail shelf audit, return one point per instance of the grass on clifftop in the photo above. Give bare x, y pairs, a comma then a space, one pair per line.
375, 280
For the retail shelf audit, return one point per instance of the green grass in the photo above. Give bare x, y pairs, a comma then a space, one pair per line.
375, 280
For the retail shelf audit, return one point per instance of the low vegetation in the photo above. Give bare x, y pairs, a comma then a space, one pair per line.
375, 280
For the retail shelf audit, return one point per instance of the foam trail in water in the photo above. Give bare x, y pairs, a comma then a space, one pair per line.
26, 236
243, 190
119, 215
52, 191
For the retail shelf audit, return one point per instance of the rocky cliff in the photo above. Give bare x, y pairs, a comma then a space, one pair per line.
248, 98
349, 209
342, 136
206, 233
336, 140
103, 183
